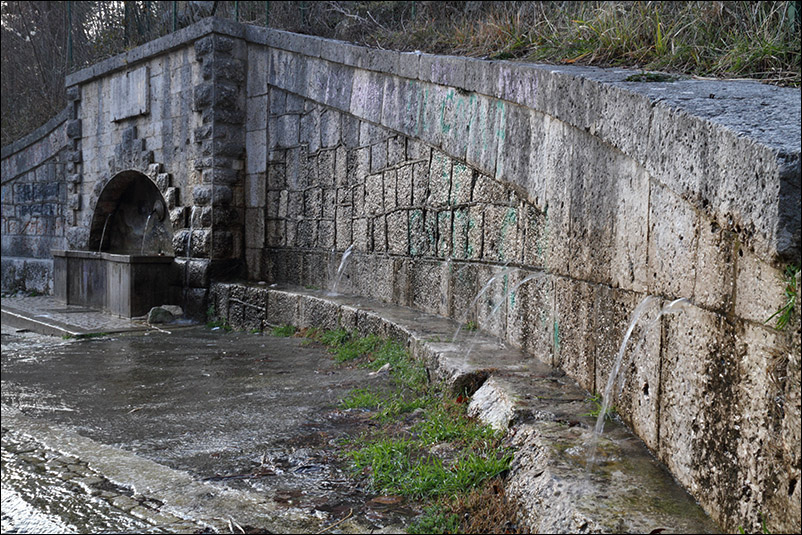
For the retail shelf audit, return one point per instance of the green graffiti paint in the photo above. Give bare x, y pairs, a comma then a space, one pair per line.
501, 112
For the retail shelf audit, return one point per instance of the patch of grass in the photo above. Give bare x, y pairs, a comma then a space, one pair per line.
212, 321
360, 398
651, 77
784, 313
439, 454
217, 323
283, 331
471, 326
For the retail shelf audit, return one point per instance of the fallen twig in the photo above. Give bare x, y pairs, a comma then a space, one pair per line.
346, 517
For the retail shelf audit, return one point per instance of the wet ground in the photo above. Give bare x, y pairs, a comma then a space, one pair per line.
181, 431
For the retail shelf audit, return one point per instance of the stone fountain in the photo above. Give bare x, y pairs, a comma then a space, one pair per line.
128, 266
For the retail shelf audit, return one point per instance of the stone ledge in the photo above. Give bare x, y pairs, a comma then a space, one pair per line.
544, 412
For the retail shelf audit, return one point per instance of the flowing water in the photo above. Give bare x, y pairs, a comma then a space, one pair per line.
505, 271
496, 308
615, 374
103, 234
341, 269
145, 233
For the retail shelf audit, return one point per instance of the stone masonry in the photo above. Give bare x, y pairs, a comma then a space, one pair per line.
278, 152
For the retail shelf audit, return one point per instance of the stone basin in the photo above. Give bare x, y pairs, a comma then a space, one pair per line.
121, 284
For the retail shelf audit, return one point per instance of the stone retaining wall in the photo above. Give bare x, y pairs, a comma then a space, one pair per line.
34, 191
276, 153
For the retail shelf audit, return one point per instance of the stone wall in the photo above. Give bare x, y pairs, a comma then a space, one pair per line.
276, 153
441, 173
34, 189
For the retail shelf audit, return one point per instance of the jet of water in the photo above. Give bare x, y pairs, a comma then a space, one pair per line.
615, 374
103, 234
485, 288
340, 270
498, 305
145, 233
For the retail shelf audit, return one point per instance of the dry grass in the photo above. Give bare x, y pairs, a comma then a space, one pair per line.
757, 40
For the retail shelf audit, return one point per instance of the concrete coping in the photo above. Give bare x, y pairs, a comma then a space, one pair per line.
492, 78
41, 132
544, 413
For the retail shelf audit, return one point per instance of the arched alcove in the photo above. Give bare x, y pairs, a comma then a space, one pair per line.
130, 217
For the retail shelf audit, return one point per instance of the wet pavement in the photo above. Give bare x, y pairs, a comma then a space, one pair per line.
183, 430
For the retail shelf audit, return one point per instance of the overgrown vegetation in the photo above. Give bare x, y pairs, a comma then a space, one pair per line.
424, 446
42, 41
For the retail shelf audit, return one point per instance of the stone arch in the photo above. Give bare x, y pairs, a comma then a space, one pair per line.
131, 207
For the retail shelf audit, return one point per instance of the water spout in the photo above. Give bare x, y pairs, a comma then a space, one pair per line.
615, 374
485, 288
340, 270
103, 234
145, 233
497, 306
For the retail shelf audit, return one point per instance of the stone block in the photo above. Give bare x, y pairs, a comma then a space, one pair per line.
500, 240
377, 231
759, 288
714, 287
673, 238
458, 113
367, 95
699, 406
283, 308
530, 309
484, 134
378, 157
574, 344
444, 246
426, 284
314, 312
481, 76
439, 180
254, 228
398, 232
330, 128
402, 102
635, 393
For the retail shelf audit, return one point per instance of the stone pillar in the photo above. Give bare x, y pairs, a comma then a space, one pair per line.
218, 196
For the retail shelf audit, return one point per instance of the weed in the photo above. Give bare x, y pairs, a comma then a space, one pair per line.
471, 326
784, 313
650, 77
255, 331
598, 404
284, 331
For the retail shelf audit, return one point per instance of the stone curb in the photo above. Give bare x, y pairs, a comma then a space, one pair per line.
544, 413
151, 480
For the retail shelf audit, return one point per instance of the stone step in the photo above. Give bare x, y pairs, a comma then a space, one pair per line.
545, 414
